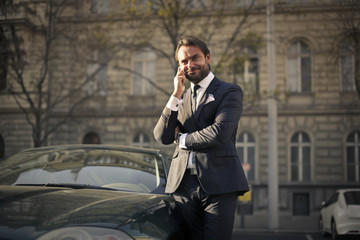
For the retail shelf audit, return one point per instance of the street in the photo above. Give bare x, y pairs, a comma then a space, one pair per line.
265, 235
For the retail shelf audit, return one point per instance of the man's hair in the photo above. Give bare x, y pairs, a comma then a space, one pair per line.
191, 41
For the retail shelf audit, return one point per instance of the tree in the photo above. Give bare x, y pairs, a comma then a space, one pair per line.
42, 80
176, 18
347, 22
28, 67
206, 19
349, 19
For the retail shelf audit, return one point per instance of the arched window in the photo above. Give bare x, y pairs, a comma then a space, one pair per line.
246, 147
141, 140
144, 64
299, 68
91, 138
300, 157
353, 157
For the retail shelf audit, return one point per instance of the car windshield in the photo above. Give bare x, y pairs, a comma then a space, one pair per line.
108, 168
352, 197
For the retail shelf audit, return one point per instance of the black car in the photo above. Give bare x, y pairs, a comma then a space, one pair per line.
77, 192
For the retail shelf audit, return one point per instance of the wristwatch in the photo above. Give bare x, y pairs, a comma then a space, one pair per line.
177, 137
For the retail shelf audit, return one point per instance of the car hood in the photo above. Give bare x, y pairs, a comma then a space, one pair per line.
42, 209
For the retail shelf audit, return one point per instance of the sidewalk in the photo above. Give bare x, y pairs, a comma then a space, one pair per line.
266, 230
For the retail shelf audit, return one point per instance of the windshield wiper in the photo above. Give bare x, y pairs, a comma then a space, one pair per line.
70, 185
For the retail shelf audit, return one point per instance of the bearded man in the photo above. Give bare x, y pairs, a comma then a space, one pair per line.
206, 174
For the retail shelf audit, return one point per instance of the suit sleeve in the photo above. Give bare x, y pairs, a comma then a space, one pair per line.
227, 116
164, 131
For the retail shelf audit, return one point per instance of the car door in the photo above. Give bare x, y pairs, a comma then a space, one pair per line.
328, 211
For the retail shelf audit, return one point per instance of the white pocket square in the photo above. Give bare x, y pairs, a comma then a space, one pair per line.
210, 99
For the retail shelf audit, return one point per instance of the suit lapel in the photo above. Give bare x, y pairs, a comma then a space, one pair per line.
210, 89
187, 103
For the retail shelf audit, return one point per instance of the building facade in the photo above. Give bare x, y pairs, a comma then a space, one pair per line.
318, 105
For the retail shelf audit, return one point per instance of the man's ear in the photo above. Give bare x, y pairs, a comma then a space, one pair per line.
207, 58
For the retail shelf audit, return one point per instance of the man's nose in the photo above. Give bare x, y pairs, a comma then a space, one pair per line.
190, 64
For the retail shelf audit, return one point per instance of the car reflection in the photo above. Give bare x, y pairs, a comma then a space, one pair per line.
117, 170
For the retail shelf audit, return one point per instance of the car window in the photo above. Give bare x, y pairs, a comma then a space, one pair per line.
352, 197
333, 199
120, 170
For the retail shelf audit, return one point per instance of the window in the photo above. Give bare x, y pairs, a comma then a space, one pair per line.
300, 157
347, 65
249, 77
96, 75
91, 138
299, 68
298, 1
100, 6
2, 147
352, 197
333, 199
3, 72
246, 3
141, 140
245, 146
195, 3
3, 61
144, 72
301, 204
353, 157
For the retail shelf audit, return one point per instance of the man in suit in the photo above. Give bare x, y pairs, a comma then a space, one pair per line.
205, 175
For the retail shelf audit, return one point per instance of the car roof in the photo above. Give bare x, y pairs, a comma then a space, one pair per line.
347, 190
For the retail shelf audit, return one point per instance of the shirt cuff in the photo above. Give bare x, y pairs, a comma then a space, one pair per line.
182, 141
173, 103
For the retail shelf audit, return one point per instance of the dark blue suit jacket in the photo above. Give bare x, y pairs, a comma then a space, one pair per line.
211, 135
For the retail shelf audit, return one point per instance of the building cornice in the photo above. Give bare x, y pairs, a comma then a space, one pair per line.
259, 112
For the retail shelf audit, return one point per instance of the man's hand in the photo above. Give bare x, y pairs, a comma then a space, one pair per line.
179, 83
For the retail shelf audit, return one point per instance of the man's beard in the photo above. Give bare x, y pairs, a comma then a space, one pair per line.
195, 79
